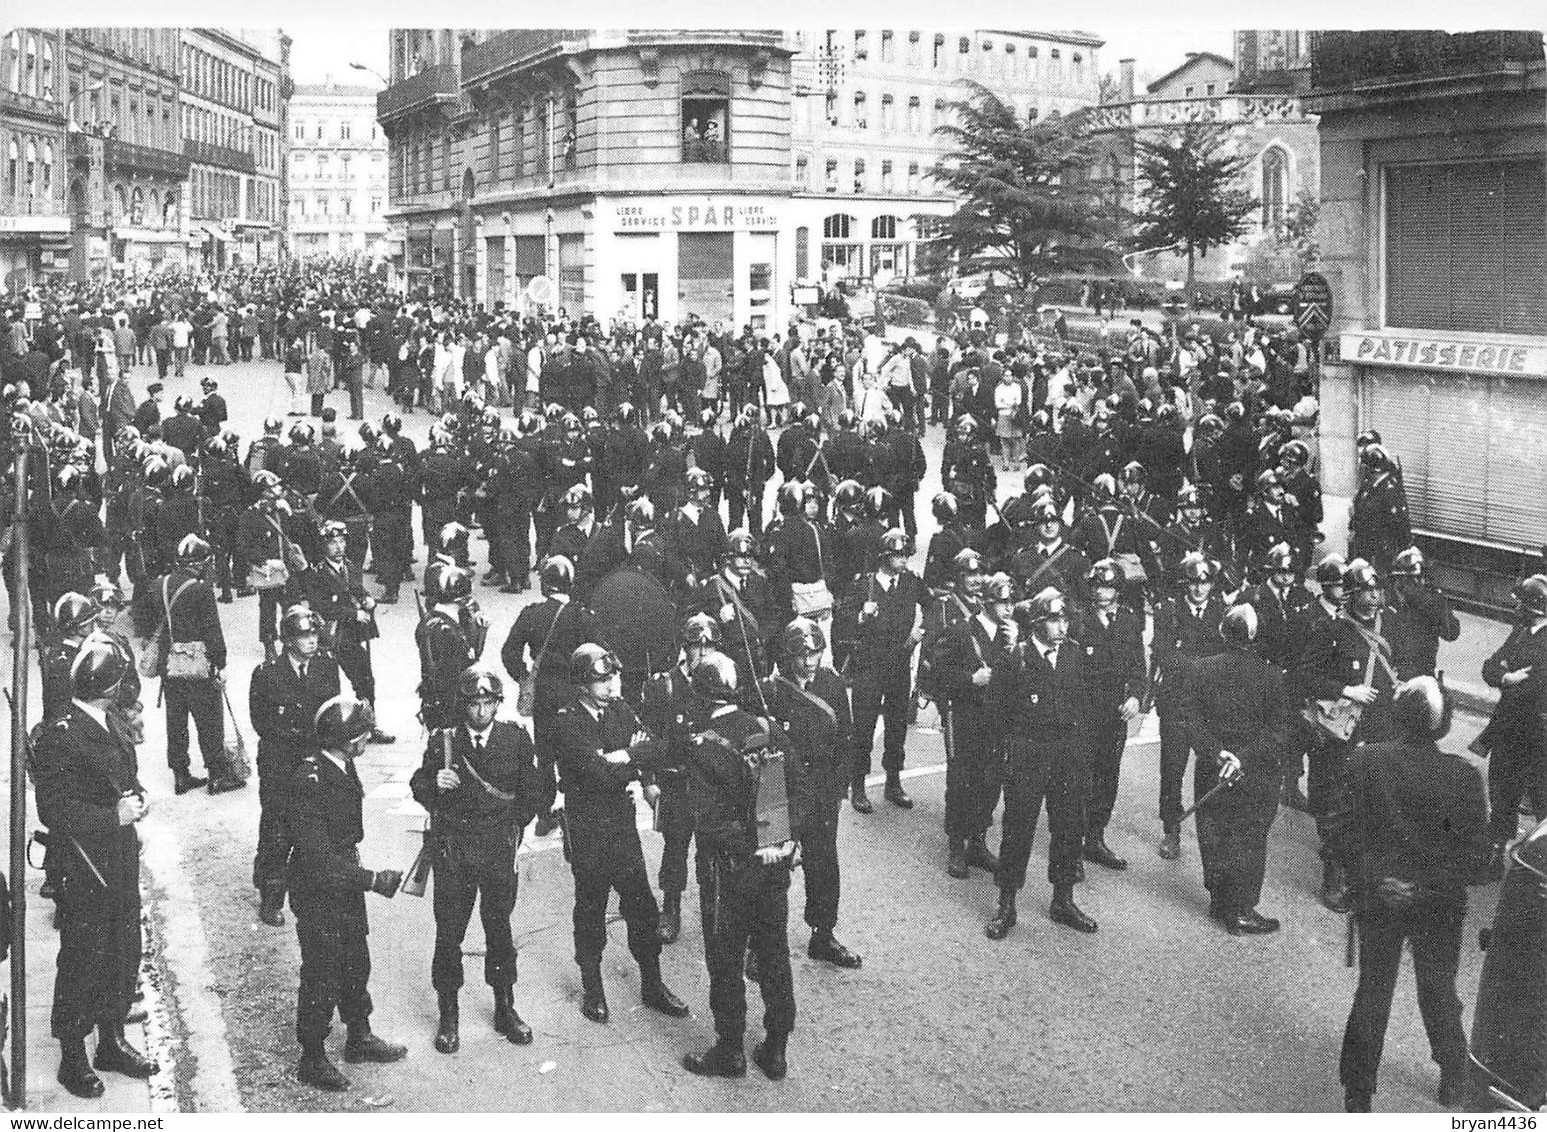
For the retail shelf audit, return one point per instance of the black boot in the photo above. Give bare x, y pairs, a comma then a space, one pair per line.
116, 1055
979, 857
593, 1000
1171, 843
769, 1056
670, 925
184, 780
826, 949
655, 993
957, 865
859, 799
894, 793
507, 1021
271, 907
1098, 852
362, 1045
75, 1070
723, 1059
1004, 918
317, 1069
448, 1038
1065, 911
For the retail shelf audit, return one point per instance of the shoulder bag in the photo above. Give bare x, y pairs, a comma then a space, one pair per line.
185, 660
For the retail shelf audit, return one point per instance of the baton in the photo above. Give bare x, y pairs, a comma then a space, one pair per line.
1222, 784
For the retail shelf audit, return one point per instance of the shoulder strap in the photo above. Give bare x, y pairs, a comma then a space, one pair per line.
1048, 565
1379, 652
548, 638
167, 603
815, 701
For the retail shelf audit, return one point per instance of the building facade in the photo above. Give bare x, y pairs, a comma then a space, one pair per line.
643, 173
1433, 193
34, 218
338, 172
230, 129
1258, 98
865, 106
125, 153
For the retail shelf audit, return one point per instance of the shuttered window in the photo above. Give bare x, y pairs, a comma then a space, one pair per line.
1472, 448
572, 272
494, 270
1466, 248
530, 258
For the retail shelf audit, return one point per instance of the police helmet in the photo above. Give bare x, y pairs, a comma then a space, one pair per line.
1105, 573
640, 512
968, 562
579, 495
1268, 480
699, 480
848, 420
1038, 475
556, 574
896, 541
1197, 568
343, 721
272, 425
999, 587
181, 480
193, 551
1408, 563
298, 621
454, 535
848, 495
1532, 594
740, 544
107, 593
878, 502
794, 495
1329, 571
591, 663
1238, 627
1360, 575
74, 612
98, 669
802, 637
699, 629
334, 528
480, 683
1049, 604
1295, 452
944, 507
714, 678
1133, 472
451, 583
1280, 556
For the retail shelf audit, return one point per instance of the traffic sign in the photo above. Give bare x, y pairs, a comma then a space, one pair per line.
1313, 305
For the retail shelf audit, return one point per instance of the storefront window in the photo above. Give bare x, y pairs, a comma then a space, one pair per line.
843, 261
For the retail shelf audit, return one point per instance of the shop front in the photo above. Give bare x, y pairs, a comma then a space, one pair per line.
33, 249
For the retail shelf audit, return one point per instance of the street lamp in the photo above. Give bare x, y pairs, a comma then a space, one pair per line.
370, 71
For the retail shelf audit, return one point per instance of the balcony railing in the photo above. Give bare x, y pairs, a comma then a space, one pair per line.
13, 103
1231, 109
157, 162
429, 86
1355, 58
511, 50
206, 153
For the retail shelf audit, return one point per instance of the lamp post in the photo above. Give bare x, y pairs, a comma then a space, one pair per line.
370, 71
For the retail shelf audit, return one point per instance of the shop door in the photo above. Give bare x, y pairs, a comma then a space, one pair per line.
705, 278
641, 295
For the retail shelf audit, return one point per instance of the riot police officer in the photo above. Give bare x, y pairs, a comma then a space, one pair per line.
601, 748
89, 796
335, 590
1237, 715
282, 702
324, 814
479, 782
809, 701
450, 639
1517, 759
743, 887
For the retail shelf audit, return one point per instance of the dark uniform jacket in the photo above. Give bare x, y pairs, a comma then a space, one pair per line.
1116, 667
1063, 565
1235, 701
575, 626
722, 783
882, 645
446, 650
1338, 657
1411, 811
335, 593
1041, 712
325, 818
1283, 624
818, 732
283, 707
1420, 618
79, 773
499, 793
195, 616
594, 789
962, 647
1180, 638
1518, 718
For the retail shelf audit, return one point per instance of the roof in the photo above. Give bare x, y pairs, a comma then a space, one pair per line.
1192, 60
1088, 39
323, 90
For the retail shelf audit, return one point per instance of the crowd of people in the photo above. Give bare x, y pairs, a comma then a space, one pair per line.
1161, 552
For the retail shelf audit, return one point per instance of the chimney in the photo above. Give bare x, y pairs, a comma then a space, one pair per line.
1125, 80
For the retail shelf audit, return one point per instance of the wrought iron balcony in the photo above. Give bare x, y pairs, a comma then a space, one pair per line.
429, 87
1342, 59
512, 50
119, 154
13, 103
206, 153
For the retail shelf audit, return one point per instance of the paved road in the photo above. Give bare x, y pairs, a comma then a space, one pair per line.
1158, 1011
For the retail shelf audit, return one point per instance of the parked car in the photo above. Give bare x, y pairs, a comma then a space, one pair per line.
1509, 1026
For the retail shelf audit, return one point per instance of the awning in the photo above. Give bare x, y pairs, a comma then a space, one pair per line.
207, 230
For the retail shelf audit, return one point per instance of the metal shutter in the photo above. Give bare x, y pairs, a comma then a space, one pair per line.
572, 272
1517, 454
1523, 307
802, 252
494, 270
1417, 247
704, 274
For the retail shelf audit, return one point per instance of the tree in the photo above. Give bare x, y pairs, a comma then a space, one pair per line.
1025, 208
1190, 193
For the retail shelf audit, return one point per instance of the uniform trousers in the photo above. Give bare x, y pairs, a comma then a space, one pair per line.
277, 762
1328, 757
354, 660
1433, 925
605, 855
972, 771
478, 867
335, 962
99, 940
1175, 750
742, 903
202, 700
674, 816
1515, 767
510, 545
819, 860
1106, 762
884, 695
1233, 831
229, 567
745, 503
1057, 774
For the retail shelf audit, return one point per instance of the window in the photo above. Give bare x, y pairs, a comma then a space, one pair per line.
886, 47
1209, 90
836, 226
48, 70
1054, 53
802, 172
32, 168
518, 149
829, 184
1187, 92
48, 168
10, 170
939, 115
322, 205
706, 117
1465, 247
494, 147
1032, 114
445, 165
322, 167
30, 77
859, 109
914, 124
375, 206
939, 49
1275, 182
120, 204
913, 177
861, 51
886, 176
300, 208
320, 130
348, 204
13, 48
300, 131
137, 208
859, 174
963, 45
913, 48
888, 119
